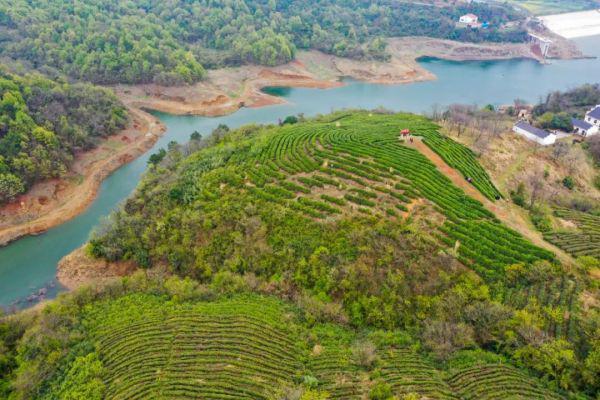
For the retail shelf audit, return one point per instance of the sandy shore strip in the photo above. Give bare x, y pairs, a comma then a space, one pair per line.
574, 25
78, 268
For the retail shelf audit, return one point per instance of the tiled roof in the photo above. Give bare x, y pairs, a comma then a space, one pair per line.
542, 134
581, 124
595, 113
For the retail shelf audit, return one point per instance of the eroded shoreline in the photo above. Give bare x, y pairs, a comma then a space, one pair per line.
51, 203
227, 90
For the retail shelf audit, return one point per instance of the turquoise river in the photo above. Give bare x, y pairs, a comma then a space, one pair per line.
29, 264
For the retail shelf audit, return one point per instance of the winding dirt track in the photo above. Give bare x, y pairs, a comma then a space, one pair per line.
502, 209
149, 129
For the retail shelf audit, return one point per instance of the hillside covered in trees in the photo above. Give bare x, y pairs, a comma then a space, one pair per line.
110, 41
341, 210
322, 259
42, 123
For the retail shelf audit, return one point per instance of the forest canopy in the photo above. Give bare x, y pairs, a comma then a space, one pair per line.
42, 123
171, 42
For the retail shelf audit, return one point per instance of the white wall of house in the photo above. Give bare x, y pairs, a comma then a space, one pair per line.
468, 19
594, 130
593, 121
548, 140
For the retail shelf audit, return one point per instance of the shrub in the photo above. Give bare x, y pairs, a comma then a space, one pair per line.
314, 395
364, 354
411, 396
568, 182
381, 391
582, 204
518, 196
228, 282
310, 381
444, 338
290, 119
541, 219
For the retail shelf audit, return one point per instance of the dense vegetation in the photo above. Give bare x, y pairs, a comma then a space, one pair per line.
169, 338
340, 209
556, 111
109, 41
43, 122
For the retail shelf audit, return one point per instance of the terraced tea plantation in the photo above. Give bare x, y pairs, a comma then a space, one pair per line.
233, 349
254, 347
406, 372
359, 162
582, 241
496, 381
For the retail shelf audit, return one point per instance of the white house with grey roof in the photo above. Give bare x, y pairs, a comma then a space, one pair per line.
593, 117
532, 133
583, 128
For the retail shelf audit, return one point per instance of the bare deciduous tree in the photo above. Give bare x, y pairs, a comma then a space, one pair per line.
537, 187
560, 150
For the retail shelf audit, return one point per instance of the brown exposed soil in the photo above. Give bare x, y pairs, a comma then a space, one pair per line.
79, 268
55, 201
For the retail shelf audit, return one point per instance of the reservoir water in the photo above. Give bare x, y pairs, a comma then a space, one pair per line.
29, 264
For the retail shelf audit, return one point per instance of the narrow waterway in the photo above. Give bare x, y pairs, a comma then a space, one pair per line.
28, 265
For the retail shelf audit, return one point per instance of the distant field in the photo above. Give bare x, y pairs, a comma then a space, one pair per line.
545, 7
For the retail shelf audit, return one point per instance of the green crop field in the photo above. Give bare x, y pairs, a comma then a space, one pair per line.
349, 163
584, 241
547, 7
256, 347
342, 215
233, 349
358, 160
486, 382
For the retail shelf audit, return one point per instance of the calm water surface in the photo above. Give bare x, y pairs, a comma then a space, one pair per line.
29, 264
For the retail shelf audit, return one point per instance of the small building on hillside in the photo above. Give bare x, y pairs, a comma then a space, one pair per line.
593, 117
583, 128
470, 20
532, 133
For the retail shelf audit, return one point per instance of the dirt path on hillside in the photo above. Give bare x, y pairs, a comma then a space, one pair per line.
502, 208
54, 202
